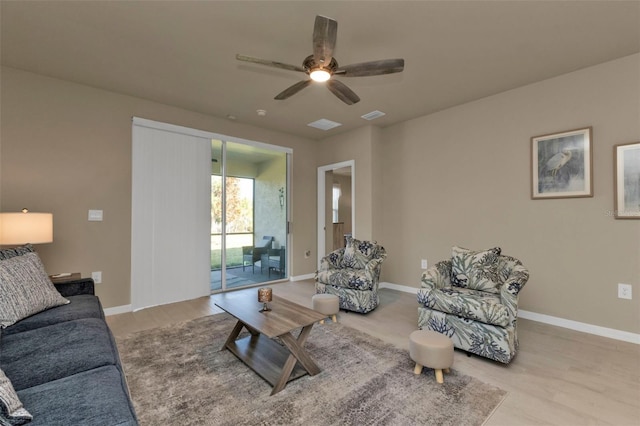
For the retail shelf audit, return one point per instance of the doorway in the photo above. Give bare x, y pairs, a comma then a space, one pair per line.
336, 205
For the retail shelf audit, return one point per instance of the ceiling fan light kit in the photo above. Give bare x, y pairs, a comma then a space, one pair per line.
321, 66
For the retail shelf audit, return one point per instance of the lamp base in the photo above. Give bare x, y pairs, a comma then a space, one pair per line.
265, 308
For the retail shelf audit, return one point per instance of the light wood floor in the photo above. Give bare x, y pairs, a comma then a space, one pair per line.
559, 377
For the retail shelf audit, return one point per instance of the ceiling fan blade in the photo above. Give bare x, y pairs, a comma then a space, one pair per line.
345, 94
365, 69
325, 32
292, 90
269, 63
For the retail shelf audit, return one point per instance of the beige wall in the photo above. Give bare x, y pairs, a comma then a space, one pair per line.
66, 148
462, 177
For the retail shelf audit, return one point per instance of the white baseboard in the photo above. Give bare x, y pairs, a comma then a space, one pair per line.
597, 330
611, 333
118, 310
303, 277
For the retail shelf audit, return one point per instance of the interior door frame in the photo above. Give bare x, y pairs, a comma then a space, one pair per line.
321, 219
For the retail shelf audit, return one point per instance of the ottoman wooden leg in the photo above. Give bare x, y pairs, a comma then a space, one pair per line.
334, 318
321, 321
439, 377
417, 369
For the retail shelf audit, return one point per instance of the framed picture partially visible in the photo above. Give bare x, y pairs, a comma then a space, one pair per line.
626, 180
561, 165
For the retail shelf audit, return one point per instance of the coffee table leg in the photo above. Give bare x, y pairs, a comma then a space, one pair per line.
234, 334
297, 354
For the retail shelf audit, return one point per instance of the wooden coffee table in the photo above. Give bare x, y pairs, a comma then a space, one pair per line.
273, 362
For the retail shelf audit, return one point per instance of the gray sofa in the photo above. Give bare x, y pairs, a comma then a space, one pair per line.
64, 366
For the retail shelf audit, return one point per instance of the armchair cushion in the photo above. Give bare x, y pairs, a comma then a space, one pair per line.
476, 270
467, 303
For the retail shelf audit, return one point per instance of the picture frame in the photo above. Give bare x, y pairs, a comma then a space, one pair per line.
562, 164
626, 180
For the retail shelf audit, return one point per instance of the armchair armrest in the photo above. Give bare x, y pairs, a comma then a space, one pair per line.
438, 276
513, 284
372, 269
76, 287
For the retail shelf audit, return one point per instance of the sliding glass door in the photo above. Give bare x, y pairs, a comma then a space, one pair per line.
248, 214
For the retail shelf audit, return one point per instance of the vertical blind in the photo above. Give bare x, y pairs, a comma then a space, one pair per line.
171, 214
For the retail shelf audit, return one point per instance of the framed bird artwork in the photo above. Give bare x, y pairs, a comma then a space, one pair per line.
561, 165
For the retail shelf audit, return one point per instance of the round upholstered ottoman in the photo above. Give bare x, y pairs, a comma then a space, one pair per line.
327, 304
431, 349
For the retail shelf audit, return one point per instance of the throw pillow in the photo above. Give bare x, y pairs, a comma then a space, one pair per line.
25, 289
358, 253
477, 270
11, 410
16, 251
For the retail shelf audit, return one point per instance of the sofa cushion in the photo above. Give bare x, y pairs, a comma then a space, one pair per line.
97, 397
25, 289
82, 306
49, 353
8, 253
466, 303
477, 270
12, 411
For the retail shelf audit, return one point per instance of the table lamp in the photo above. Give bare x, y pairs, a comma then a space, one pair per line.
265, 295
26, 228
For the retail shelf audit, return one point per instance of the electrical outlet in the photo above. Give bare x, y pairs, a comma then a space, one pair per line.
97, 277
423, 264
624, 291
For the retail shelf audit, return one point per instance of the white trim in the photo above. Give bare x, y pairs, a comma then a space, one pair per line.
398, 287
118, 310
303, 277
581, 326
597, 330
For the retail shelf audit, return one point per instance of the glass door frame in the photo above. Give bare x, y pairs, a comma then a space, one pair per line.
223, 173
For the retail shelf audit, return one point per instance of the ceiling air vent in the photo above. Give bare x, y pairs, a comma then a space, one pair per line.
373, 115
324, 124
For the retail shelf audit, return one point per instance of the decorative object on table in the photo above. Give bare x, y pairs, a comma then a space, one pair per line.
433, 350
473, 299
26, 228
364, 381
353, 274
265, 295
626, 180
561, 165
327, 304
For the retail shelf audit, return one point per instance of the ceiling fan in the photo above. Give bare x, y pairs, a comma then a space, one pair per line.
322, 66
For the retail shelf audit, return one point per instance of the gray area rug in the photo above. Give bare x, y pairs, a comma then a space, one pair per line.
180, 376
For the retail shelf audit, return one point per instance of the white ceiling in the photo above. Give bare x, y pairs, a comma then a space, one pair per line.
183, 53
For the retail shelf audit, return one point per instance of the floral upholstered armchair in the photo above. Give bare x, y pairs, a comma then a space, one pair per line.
473, 299
352, 273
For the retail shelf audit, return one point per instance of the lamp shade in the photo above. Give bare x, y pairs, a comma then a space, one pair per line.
23, 228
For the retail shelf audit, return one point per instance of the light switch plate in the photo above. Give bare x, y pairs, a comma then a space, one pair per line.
95, 215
